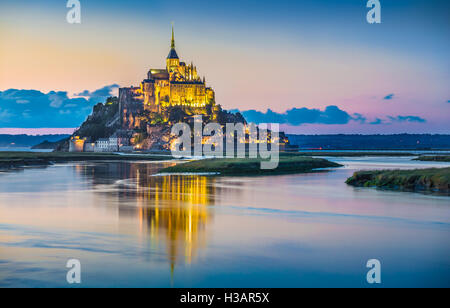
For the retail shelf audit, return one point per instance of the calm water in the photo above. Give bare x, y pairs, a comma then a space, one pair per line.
23, 149
129, 228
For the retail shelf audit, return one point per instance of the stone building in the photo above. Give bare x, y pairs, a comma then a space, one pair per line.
89, 147
76, 144
107, 145
177, 85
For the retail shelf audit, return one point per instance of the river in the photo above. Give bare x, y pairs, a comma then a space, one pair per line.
130, 228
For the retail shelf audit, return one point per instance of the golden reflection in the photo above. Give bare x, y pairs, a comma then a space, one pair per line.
174, 210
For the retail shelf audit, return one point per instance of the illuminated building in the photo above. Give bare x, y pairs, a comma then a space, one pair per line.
76, 144
177, 85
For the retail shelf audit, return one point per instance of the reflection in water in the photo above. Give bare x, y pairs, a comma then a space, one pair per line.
130, 228
172, 210
177, 213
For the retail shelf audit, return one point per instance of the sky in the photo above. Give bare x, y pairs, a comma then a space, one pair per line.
315, 66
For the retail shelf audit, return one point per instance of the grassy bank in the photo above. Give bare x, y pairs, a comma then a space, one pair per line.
9, 160
236, 166
433, 179
441, 158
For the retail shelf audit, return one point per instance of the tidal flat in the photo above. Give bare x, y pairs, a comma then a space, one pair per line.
129, 228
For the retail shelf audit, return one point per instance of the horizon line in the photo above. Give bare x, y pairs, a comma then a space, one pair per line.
37, 131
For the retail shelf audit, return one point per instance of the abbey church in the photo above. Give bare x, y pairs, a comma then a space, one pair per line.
176, 85
141, 118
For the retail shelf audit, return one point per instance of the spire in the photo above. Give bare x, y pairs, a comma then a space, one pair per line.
172, 45
172, 53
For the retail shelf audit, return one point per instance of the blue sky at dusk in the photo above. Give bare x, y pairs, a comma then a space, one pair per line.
315, 66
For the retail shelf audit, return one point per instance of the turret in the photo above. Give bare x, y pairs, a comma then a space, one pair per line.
194, 74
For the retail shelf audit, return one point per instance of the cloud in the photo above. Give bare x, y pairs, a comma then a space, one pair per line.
389, 97
53, 109
398, 119
377, 121
70, 105
299, 116
99, 95
407, 119
5, 115
57, 98
331, 115
33, 108
359, 118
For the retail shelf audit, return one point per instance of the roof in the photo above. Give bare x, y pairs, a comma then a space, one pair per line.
172, 54
157, 74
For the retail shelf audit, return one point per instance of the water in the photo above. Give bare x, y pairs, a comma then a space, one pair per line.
129, 228
412, 151
23, 149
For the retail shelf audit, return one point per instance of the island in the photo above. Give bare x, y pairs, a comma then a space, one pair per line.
48, 145
417, 180
288, 164
439, 158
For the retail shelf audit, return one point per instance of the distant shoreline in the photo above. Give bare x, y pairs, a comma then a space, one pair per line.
18, 160
288, 160
438, 158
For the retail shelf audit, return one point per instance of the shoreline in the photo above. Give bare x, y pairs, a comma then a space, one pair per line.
290, 162
20, 160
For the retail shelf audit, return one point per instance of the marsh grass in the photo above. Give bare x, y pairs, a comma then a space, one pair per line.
248, 166
440, 158
432, 179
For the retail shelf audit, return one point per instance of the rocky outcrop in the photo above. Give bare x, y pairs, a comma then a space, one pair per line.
103, 121
158, 138
147, 131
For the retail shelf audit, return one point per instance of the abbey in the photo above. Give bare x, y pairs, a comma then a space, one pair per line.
142, 118
177, 85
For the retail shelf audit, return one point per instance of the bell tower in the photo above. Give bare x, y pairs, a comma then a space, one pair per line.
172, 59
